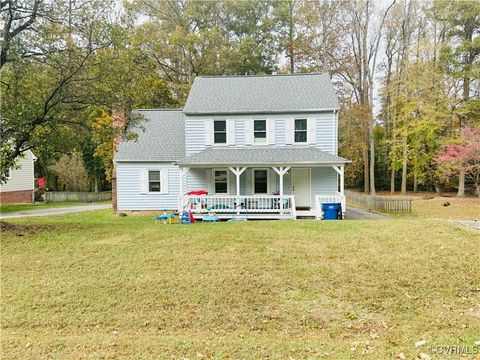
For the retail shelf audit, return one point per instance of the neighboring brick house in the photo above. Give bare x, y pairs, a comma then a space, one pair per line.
20, 184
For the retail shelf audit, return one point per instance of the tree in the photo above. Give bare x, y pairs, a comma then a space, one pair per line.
365, 40
44, 93
462, 58
71, 171
463, 156
17, 17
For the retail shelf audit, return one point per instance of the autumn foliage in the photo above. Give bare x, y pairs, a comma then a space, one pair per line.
462, 155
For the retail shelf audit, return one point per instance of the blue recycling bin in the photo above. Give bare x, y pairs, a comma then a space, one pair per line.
332, 211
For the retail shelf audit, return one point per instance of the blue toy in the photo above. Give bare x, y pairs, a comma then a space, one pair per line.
166, 218
185, 217
211, 217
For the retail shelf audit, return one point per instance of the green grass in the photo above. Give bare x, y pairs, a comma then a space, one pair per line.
433, 208
98, 286
9, 208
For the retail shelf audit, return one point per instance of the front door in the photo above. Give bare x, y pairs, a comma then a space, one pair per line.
301, 187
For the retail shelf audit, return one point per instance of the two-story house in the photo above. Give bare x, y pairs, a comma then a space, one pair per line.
265, 146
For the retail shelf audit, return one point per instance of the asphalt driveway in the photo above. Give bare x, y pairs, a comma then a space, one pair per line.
362, 214
55, 211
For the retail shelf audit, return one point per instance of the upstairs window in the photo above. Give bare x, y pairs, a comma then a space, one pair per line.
260, 180
300, 130
220, 131
221, 181
260, 131
154, 182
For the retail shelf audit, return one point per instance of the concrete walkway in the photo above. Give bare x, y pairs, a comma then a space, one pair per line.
362, 214
54, 211
474, 224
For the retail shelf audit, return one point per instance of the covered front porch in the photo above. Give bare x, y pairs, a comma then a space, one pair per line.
253, 192
261, 182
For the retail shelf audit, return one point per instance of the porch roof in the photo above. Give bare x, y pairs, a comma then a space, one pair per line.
262, 155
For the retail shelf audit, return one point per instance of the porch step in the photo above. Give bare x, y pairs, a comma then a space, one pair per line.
305, 214
248, 216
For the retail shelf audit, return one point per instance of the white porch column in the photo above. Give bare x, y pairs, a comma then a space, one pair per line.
281, 171
238, 171
341, 171
183, 171
342, 179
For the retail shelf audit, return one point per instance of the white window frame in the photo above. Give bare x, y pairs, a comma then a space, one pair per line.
228, 180
159, 181
265, 140
268, 181
226, 133
306, 131
145, 181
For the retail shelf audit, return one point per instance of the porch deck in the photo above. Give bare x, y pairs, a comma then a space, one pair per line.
254, 206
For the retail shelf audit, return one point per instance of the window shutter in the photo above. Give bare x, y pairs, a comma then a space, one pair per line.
271, 131
249, 178
289, 131
312, 130
208, 131
230, 131
164, 181
209, 179
249, 131
272, 181
143, 181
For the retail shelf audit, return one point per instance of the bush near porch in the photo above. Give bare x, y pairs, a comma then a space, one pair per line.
95, 285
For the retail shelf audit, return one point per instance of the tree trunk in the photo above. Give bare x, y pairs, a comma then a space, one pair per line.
291, 30
55, 183
372, 162
438, 188
415, 183
392, 180
461, 184
404, 172
366, 178
95, 184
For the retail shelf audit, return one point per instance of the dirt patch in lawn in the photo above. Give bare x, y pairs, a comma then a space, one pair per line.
20, 230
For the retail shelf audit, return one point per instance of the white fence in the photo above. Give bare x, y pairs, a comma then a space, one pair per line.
55, 196
324, 199
243, 204
389, 204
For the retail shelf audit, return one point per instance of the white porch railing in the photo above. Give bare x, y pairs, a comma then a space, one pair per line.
242, 204
323, 199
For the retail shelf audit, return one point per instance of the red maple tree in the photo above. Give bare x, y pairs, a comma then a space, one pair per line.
463, 154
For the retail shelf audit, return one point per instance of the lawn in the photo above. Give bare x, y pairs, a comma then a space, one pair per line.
9, 208
99, 286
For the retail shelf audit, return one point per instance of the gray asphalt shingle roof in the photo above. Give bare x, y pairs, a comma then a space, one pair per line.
162, 139
262, 155
261, 94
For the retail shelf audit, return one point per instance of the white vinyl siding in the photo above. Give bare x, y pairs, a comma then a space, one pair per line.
23, 177
132, 186
327, 132
322, 130
312, 131
323, 181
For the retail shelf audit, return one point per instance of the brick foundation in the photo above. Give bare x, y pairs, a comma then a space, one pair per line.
16, 197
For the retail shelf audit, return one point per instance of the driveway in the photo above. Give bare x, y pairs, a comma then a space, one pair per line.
362, 214
55, 211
